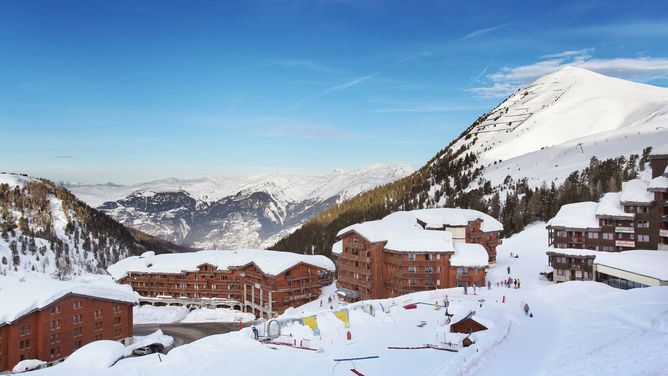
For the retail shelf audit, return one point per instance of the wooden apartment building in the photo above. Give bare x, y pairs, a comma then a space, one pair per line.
70, 319
414, 251
258, 281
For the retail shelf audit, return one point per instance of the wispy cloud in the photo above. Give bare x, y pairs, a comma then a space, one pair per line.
508, 79
481, 32
350, 84
64, 156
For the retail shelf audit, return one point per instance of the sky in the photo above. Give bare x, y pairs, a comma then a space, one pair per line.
132, 91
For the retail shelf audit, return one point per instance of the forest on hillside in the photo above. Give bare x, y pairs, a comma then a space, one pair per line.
513, 202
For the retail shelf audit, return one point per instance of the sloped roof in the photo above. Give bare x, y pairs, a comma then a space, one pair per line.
270, 262
577, 215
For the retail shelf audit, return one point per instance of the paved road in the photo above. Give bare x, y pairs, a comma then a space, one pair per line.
186, 333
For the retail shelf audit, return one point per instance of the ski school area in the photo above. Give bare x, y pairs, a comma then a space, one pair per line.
576, 328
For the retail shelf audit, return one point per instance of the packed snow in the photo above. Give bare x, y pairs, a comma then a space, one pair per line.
172, 314
270, 262
576, 328
44, 291
469, 254
610, 205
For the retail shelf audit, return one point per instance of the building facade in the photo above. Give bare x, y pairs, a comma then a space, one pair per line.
625, 270
54, 331
635, 218
225, 279
404, 253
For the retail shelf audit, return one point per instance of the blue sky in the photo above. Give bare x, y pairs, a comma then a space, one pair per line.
129, 91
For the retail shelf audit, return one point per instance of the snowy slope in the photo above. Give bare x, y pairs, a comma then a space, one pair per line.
579, 328
46, 229
554, 126
231, 212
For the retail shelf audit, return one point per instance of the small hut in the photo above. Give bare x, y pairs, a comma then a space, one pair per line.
467, 325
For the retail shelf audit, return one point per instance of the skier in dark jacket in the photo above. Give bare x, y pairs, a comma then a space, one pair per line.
255, 333
508, 269
526, 309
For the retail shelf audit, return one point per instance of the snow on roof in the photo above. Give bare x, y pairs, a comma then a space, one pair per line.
650, 263
402, 232
401, 235
659, 182
577, 215
636, 191
610, 205
337, 248
469, 254
44, 291
270, 262
95, 356
437, 218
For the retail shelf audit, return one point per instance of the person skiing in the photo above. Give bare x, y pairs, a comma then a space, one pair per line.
489, 285
526, 309
515, 283
320, 303
518, 283
508, 269
255, 333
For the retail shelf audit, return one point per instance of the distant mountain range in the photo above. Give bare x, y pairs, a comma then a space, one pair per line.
546, 132
231, 212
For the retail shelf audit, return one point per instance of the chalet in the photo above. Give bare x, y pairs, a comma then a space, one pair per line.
48, 320
259, 281
414, 251
467, 325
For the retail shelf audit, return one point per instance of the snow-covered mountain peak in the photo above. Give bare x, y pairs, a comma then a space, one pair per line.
570, 114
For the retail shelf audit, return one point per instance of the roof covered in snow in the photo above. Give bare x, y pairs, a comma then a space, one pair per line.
469, 254
337, 248
658, 183
35, 292
439, 217
401, 235
650, 263
402, 231
577, 215
610, 205
636, 191
270, 262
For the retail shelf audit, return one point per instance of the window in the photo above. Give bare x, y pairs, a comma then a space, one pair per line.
411, 256
117, 308
77, 304
462, 270
97, 314
54, 324
643, 238
429, 282
427, 257
54, 338
428, 269
55, 309
77, 331
412, 282
24, 330
592, 235
608, 236
77, 319
411, 269
643, 224
354, 239
77, 344
561, 233
560, 271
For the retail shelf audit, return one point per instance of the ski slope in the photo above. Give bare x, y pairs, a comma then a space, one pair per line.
556, 124
578, 328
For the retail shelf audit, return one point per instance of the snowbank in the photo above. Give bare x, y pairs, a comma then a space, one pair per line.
218, 315
155, 337
96, 355
165, 315
27, 365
